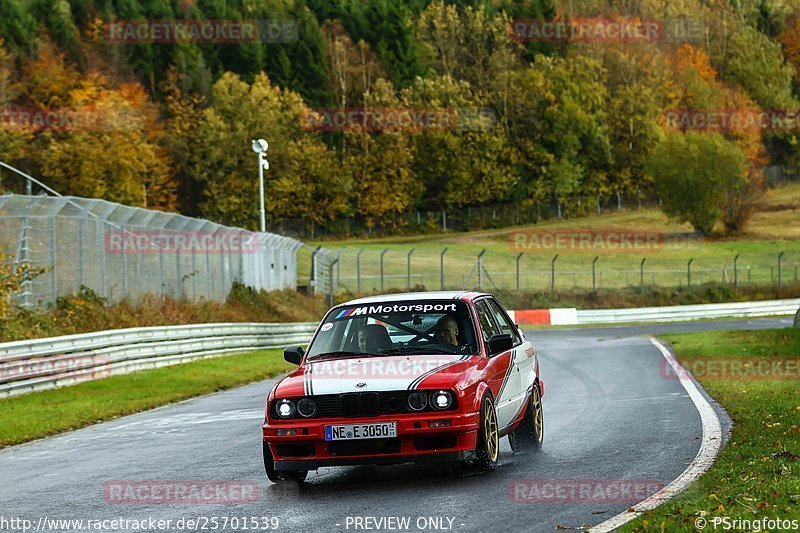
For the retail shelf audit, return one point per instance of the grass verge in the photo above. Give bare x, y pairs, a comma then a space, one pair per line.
40, 414
757, 474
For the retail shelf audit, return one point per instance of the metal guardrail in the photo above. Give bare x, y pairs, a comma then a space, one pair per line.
690, 312
39, 364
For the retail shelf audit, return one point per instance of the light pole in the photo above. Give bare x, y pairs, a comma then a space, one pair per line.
260, 146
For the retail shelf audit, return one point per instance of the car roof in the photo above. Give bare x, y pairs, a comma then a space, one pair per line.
427, 295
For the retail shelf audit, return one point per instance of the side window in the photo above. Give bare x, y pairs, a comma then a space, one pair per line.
505, 325
488, 327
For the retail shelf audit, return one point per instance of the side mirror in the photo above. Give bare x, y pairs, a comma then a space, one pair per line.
293, 354
500, 343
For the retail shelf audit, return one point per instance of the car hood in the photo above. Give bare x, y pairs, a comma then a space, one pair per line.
362, 374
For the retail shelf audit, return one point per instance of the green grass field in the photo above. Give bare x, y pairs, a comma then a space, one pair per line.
774, 228
757, 474
39, 414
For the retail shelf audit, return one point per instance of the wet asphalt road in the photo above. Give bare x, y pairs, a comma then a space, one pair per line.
609, 414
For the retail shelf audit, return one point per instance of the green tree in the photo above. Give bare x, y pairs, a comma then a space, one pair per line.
469, 162
692, 173
303, 180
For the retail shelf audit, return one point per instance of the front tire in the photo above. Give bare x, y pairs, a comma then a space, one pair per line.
488, 449
281, 476
529, 435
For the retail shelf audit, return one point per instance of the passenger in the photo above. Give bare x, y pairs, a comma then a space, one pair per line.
373, 338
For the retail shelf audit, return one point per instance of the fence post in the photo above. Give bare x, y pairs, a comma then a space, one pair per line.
641, 275
313, 278
478, 265
519, 256
780, 272
594, 273
382, 254
441, 268
689, 273
54, 257
330, 279
338, 265
408, 268
358, 268
736, 271
444, 221
553, 273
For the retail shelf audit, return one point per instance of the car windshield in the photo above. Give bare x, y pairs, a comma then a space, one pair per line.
397, 327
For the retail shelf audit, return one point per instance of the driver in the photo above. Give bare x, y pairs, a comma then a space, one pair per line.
446, 331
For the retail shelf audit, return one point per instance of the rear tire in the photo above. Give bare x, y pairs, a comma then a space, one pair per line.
529, 435
488, 449
281, 476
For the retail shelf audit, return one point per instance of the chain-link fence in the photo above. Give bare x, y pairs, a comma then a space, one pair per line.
127, 252
377, 268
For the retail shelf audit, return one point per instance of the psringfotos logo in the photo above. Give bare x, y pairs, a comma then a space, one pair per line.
587, 240
157, 491
582, 490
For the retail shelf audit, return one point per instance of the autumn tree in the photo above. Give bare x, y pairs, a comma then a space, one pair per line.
466, 43
103, 142
12, 137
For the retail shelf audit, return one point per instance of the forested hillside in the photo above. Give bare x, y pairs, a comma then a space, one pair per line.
167, 125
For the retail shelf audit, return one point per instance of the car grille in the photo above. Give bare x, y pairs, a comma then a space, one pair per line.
363, 404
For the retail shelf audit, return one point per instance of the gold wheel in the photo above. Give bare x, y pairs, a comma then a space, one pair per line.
490, 429
538, 416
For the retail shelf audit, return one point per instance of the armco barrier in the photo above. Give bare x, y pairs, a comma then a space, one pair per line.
39, 364
571, 316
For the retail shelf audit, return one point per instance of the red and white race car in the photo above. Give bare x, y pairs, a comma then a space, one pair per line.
431, 376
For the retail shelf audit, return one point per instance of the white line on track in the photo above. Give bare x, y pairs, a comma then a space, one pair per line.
709, 449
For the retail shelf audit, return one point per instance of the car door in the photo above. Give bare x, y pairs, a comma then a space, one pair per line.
503, 377
522, 360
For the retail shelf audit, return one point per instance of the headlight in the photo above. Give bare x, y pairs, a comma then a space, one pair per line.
417, 401
442, 399
285, 408
307, 407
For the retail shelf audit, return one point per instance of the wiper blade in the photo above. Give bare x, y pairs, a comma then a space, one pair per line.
327, 355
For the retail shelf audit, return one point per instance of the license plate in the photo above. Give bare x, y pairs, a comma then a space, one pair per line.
361, 431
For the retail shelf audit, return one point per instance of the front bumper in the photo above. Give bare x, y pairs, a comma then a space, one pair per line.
416, 442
